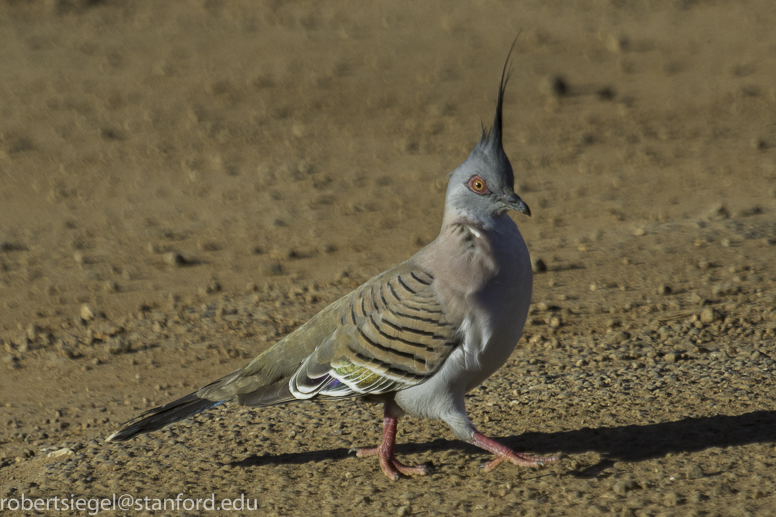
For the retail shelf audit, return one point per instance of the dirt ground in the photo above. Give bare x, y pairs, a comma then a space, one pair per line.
182, 183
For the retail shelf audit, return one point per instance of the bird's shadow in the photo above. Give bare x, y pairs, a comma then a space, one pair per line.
629, 443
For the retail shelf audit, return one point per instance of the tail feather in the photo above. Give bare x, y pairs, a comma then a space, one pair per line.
161, 416
274, 394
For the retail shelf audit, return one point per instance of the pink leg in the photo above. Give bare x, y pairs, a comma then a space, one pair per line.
390, 465
503, 452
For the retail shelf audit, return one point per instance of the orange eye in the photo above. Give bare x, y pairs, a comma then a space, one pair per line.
478, 185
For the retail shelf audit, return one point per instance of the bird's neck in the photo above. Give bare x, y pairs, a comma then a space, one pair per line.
482, 224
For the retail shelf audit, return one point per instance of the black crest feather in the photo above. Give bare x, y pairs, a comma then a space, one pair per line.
492, 138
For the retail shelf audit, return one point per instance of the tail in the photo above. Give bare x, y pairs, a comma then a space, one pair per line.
161, 416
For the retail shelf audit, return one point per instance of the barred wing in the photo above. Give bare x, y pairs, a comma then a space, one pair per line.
392, 334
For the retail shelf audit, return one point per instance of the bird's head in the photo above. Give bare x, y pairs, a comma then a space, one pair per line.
482, 187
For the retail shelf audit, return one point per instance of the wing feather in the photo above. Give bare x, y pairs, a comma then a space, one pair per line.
392, 335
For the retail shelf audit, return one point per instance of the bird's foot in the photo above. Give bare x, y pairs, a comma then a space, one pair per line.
503, 452
390, 465
522, 460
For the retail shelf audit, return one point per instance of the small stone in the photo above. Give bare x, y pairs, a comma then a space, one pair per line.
617, 337
709, 315
623, 486
720, 212
671, 357
117, 345
174, 259
60, 452
11, 362
664, 290
617, 44
404, 510
694, 471
554, 86
538, 265
87, 312
758, 143
757, 356
32, 331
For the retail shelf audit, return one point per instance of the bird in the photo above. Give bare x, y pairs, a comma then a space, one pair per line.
416, 337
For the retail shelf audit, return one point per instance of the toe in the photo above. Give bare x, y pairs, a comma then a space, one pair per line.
366, 452
488, 467
407, 470
389, 470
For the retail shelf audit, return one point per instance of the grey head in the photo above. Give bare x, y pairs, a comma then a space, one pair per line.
481, 189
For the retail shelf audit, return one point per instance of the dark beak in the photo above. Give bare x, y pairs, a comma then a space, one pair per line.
515, 203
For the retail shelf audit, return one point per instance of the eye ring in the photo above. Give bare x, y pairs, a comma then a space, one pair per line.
478, 186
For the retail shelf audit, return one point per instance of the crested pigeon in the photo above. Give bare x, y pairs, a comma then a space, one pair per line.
417, 337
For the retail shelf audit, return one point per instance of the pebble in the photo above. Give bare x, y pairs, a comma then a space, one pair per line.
623, 486
617, 337
174, 259
87, 312
538, 265
11, 362
64, 451
117, 345
709, 315
694, 471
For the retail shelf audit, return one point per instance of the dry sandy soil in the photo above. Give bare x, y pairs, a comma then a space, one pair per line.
182, 183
